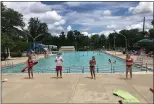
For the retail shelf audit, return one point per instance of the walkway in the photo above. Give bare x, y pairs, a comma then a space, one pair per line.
74, 88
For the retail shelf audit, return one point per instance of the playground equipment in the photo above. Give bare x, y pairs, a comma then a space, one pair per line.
35, 47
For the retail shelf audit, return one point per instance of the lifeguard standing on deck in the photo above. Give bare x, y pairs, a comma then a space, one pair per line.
92, 67
59, 61
129, 63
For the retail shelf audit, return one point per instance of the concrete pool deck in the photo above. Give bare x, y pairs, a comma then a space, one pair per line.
74, 88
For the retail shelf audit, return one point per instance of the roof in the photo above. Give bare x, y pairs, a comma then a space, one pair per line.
67, 46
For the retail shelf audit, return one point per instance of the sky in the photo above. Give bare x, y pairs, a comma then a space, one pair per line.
88, 17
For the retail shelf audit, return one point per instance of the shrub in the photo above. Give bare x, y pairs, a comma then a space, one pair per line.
16, 54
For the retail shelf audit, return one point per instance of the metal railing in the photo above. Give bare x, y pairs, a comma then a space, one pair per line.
109, 68
6, 64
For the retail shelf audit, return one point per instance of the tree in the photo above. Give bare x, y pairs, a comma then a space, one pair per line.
103, 40
151, 33
70, 38
62, 39
11, 20
36, 30
152, 23
48, 39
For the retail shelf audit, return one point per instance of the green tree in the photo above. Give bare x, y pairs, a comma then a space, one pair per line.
70, 38
11, 20
62, 39
152, 23
151, 33
36, 30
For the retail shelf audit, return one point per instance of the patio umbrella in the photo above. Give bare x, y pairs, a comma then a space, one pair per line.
145, 42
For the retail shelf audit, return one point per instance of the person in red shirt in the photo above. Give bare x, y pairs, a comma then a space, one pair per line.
92, 67
30, 65
129, 63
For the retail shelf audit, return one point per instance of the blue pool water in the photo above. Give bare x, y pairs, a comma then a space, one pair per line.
76, 62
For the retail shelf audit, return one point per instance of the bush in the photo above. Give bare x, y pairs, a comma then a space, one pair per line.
4, 56
20, 46
16, 54
82, 49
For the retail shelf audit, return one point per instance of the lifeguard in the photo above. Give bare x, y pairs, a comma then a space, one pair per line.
129, 63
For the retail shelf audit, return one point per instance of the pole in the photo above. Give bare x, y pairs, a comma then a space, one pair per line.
125, 40
109, 45
143, 24
114, 41
101, 42
34, 44
126, 43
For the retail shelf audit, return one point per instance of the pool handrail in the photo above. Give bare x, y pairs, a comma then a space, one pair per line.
114, 68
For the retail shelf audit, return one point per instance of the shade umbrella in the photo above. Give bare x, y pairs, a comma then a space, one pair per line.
145, 42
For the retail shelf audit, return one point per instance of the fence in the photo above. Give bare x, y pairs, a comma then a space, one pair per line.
6, 64
109, 68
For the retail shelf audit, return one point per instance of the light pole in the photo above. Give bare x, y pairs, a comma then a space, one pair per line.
108, 43
114, 41
101, 42
125, 40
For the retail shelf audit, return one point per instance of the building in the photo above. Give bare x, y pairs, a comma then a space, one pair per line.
51, 47
67, 48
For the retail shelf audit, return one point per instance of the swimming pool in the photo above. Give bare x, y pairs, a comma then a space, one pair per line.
76, 62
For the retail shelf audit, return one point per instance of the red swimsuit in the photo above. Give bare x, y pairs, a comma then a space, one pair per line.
129, 62
30, 63
92, 66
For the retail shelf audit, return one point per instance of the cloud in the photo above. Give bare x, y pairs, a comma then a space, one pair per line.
86, 34
89, 17
61, 22
107, 13
111, 26
69, 28
95, 24
142, 7
38, 7
73, 4
44, 12
140, 26
51, 15
76, 4
60, 28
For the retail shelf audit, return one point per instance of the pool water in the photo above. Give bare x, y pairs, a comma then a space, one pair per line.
76, 62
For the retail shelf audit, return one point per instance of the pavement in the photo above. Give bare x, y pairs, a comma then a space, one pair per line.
74, 88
